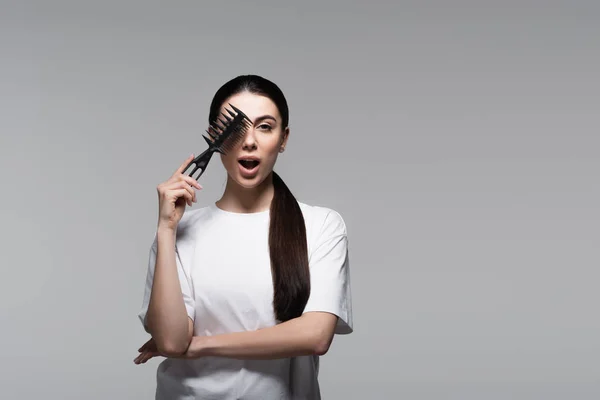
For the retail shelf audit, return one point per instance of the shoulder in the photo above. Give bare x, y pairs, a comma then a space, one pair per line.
323, 219
187, 228
192, 217
191, 221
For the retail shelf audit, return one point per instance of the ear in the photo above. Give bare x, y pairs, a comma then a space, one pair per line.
284, 137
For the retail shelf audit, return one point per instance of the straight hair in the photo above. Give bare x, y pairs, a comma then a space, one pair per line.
287, 231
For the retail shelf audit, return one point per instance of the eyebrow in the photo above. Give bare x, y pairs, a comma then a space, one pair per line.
267, 116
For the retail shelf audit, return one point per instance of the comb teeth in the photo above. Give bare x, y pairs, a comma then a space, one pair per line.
212, 133
236, 136
225, 132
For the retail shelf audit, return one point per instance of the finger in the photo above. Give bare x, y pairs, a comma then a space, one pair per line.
145, 345
140, 358
184, 185
190, 189
181, 184
187, 182
147, 356
182, 193
184, 165
191, 181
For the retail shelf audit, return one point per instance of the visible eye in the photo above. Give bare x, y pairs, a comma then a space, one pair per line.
266, 127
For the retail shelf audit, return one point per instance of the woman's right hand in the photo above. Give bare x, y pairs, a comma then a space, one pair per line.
174, 194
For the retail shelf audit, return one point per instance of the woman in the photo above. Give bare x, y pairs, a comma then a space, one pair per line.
244, 295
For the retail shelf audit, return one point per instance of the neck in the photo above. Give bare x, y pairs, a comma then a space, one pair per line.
247, 200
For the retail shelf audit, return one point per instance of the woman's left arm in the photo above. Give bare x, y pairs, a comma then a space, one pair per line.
309, 334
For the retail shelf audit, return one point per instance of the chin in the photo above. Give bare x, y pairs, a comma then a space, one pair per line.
249, 183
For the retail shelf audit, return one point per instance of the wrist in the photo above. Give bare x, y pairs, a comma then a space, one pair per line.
166, 231
199, 347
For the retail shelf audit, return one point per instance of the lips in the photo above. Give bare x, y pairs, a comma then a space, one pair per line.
248, 166
249, 163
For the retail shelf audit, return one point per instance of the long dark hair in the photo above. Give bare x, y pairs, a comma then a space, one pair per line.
287, 231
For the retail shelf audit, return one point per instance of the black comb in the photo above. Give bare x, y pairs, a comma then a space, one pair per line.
223, 134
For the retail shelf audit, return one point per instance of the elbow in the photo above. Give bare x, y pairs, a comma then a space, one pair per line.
319, 332
319, 328
169, 343
321, 344
321, 348
171, 348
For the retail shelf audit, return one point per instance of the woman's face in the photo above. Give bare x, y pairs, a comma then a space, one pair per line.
252, 160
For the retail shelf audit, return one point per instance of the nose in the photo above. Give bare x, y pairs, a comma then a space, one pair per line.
249, 140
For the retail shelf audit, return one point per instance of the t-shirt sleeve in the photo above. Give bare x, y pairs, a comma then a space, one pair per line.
184, 281
329, 266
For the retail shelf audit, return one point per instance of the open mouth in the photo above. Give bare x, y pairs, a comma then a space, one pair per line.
249, 164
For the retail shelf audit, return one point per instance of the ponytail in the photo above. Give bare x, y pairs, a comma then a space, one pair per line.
287, 233
289, 253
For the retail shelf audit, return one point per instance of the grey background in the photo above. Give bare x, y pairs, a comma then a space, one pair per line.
459, 140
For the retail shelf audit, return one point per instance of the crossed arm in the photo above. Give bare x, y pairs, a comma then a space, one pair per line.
172, 329
311, 333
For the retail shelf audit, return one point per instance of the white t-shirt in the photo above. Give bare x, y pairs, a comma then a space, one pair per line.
225, 275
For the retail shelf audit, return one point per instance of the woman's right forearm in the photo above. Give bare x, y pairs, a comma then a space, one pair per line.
167, 317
